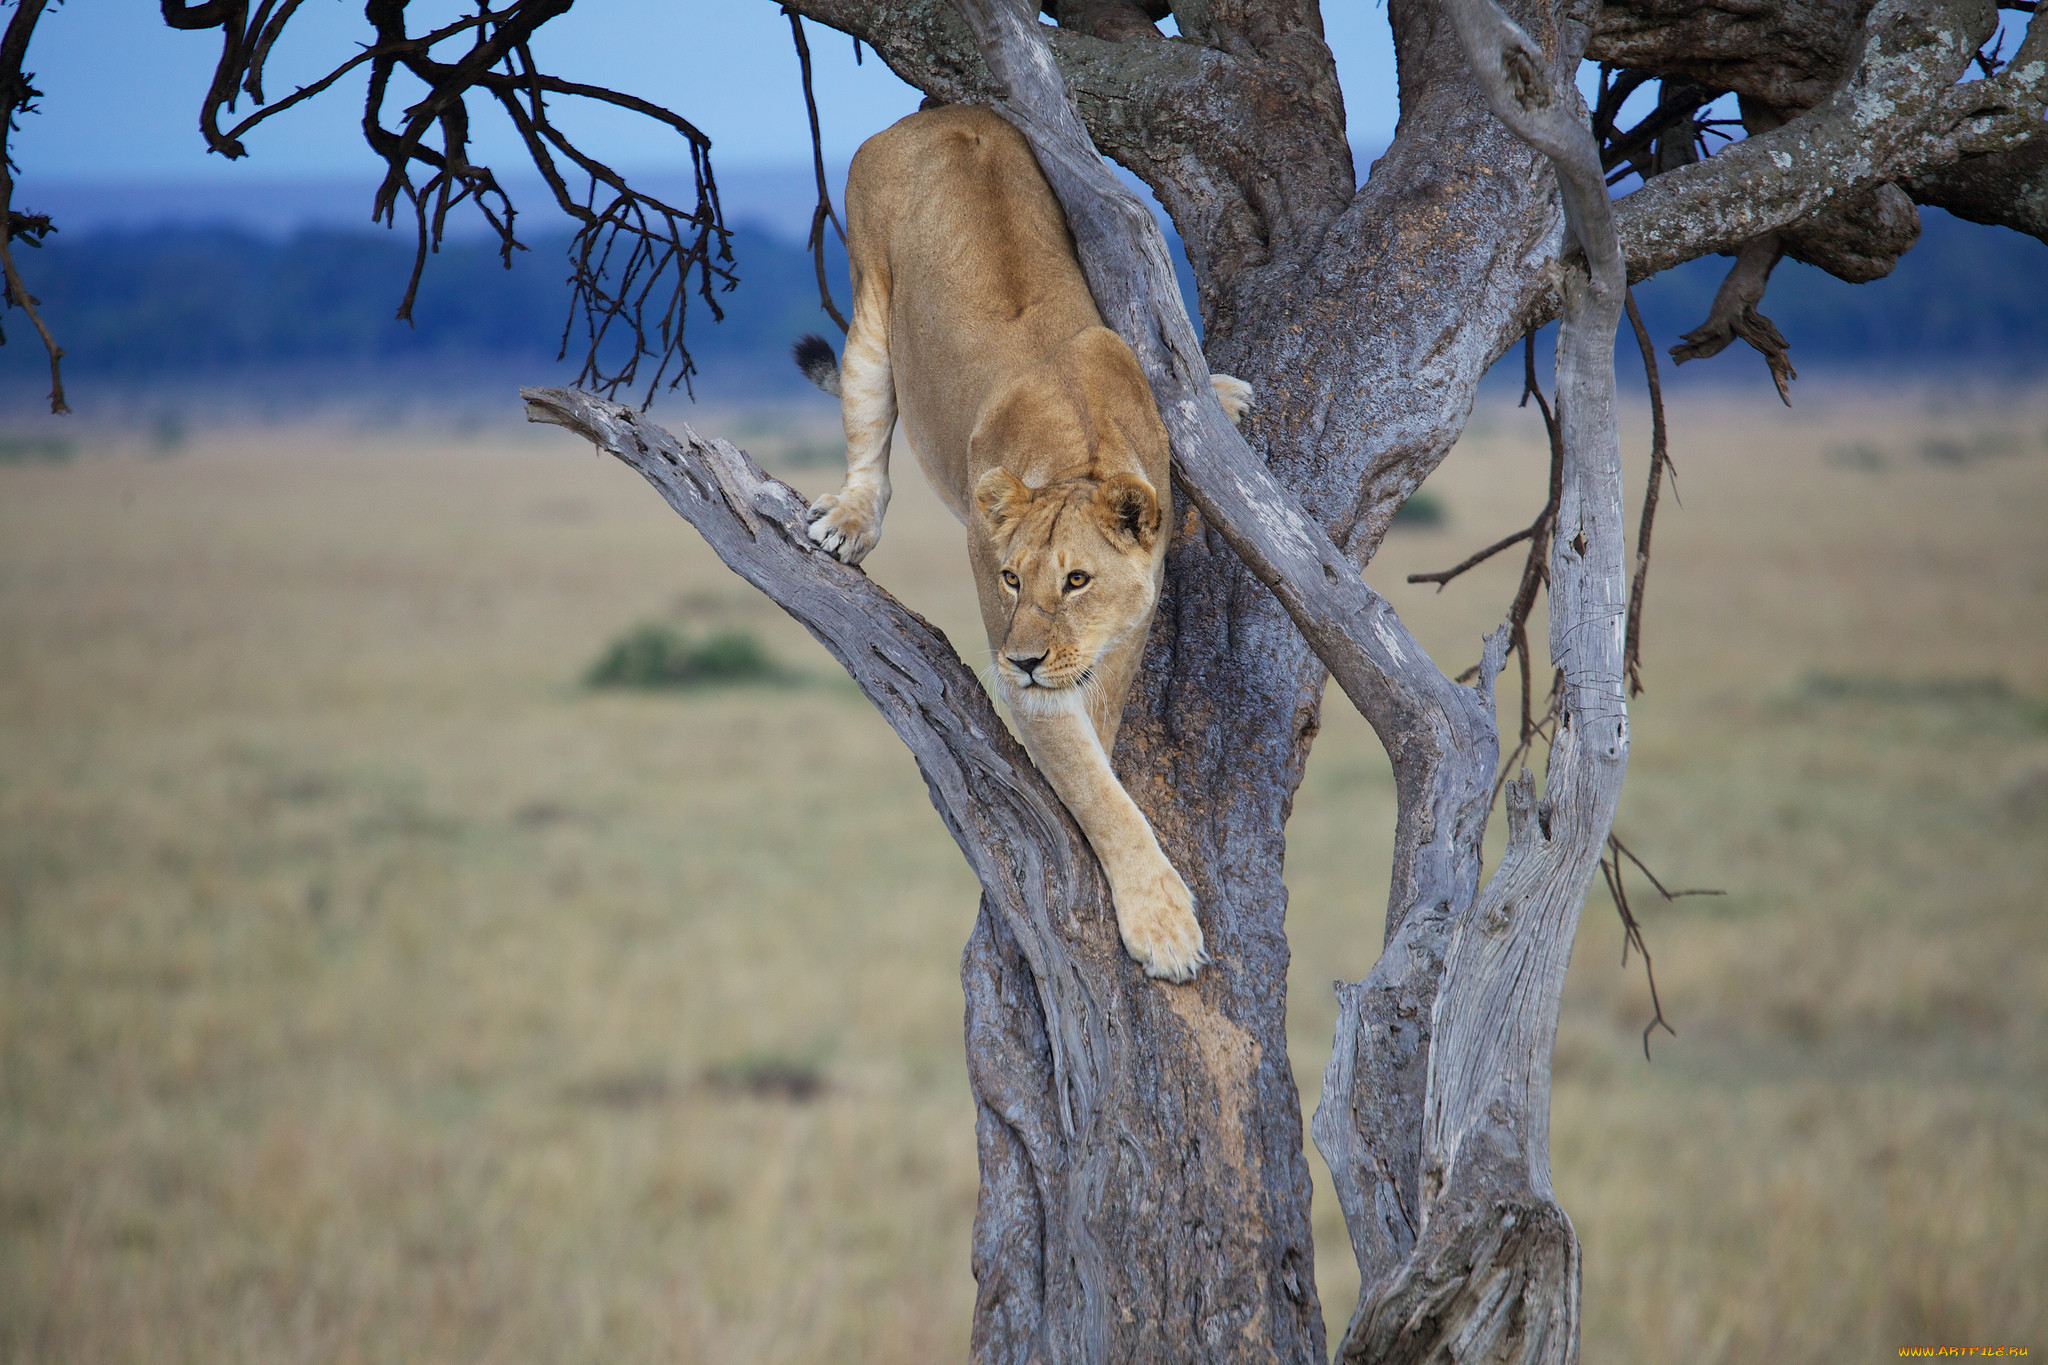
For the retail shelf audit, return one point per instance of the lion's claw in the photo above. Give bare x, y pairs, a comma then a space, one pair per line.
838, 525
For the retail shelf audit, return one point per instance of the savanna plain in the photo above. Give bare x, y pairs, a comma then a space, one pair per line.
374, 989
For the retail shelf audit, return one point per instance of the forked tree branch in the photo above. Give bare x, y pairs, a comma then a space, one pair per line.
1632, 930
1734, 314
1494, 1265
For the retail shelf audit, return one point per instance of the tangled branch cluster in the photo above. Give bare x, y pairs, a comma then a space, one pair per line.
637, 259
1673, 134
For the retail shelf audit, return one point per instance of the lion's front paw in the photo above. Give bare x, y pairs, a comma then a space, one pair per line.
846, 524
1156, 916
1234, 394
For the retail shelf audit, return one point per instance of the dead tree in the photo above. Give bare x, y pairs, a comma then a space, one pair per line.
1145, 1190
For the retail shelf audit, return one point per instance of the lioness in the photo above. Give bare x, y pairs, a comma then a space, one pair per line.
1034, 423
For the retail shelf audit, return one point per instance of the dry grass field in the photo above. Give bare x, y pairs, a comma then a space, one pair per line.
373, 991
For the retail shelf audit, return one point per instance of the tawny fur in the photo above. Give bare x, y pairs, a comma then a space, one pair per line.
973, 327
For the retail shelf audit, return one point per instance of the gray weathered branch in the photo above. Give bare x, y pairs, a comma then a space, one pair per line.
1035, 867
1900, 113
1493, 1265
2005, 189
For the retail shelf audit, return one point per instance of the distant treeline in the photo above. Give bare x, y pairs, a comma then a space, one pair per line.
217, 303
175, 304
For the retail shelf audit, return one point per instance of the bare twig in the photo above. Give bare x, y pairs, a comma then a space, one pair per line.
1632, 936
1632, 930
824, 213
638, 260
1989, 60
1662, 890
1660, 459
1443, 576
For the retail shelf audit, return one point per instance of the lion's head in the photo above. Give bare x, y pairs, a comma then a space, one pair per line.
1077, 569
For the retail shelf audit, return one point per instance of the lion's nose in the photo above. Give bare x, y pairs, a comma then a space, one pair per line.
1025, 666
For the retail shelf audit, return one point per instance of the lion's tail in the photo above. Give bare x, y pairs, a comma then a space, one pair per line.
813, 355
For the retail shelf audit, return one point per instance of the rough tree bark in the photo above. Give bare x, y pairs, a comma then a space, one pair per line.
1144, 1185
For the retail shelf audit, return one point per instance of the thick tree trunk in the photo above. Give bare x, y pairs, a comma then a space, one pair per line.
1219, 804
1208, 1134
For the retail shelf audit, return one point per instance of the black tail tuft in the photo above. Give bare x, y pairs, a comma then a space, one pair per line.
813, 355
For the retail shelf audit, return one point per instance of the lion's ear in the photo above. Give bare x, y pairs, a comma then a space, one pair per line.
1003, 499
1129, 508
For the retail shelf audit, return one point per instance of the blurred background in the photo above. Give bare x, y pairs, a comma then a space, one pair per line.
446, 916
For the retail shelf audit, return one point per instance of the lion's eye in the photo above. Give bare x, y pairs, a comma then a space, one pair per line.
1009, 579
1077, 579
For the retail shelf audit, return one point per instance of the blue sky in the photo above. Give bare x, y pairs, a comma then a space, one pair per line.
122, 91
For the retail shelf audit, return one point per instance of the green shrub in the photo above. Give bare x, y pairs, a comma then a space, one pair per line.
1982, 696
769, 1078
36, 449
661, 656
1958, 691
1420, 510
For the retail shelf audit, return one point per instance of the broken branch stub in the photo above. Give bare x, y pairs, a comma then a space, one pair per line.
1734, 314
